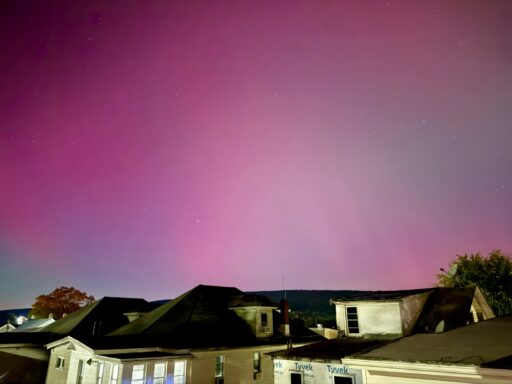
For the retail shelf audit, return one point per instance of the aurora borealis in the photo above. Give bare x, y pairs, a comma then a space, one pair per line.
150, 146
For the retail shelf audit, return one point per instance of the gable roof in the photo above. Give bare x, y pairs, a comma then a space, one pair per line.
476, 344
97, 318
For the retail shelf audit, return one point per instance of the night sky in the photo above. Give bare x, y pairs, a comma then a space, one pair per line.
150, 146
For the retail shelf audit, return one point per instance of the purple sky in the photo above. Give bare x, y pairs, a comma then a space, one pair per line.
150, 146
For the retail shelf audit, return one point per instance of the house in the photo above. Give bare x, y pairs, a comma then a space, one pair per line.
208, 334
394, 314
369, 320
478, 353
26, 349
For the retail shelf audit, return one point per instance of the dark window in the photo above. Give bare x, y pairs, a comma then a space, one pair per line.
295, 378
342, 380
80, 373
352, 321
264, 319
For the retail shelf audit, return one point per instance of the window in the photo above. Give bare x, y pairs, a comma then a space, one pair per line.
80, 373
101, 370
264, 319
115, 373
219, 369
342, 380
179, 372
352, 321
138, 374
256, 359
60, 362
295, 378
159, 373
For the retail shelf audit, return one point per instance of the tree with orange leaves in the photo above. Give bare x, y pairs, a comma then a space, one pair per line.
62, 301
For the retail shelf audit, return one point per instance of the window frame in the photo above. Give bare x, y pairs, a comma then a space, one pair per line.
183, 376
352, 316
220, 362
100, 372
60, 363
138, 380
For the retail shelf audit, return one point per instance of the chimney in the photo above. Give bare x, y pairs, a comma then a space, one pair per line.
284, 328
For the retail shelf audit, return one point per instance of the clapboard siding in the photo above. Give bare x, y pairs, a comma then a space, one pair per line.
238, 366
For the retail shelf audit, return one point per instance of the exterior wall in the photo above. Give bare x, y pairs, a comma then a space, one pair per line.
238, 366
314, 372
252, 315
410, 309
375, 318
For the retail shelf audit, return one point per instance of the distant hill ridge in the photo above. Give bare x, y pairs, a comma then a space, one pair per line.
307, 300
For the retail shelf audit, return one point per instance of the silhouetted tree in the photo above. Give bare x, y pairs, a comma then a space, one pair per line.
493, 274
60, 302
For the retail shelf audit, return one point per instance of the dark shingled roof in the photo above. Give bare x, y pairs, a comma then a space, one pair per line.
200, 316
484, 343
329, 349
96, 319
250, 300
380, 295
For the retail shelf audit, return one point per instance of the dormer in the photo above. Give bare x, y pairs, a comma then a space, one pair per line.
257, 312
379, 314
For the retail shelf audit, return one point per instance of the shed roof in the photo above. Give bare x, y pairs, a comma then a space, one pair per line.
380, 295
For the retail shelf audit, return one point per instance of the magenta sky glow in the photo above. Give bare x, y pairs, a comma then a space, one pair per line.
149, 146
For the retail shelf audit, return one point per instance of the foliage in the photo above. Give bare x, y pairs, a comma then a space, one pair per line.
12, 318
60, 302
312, 319
493, 274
